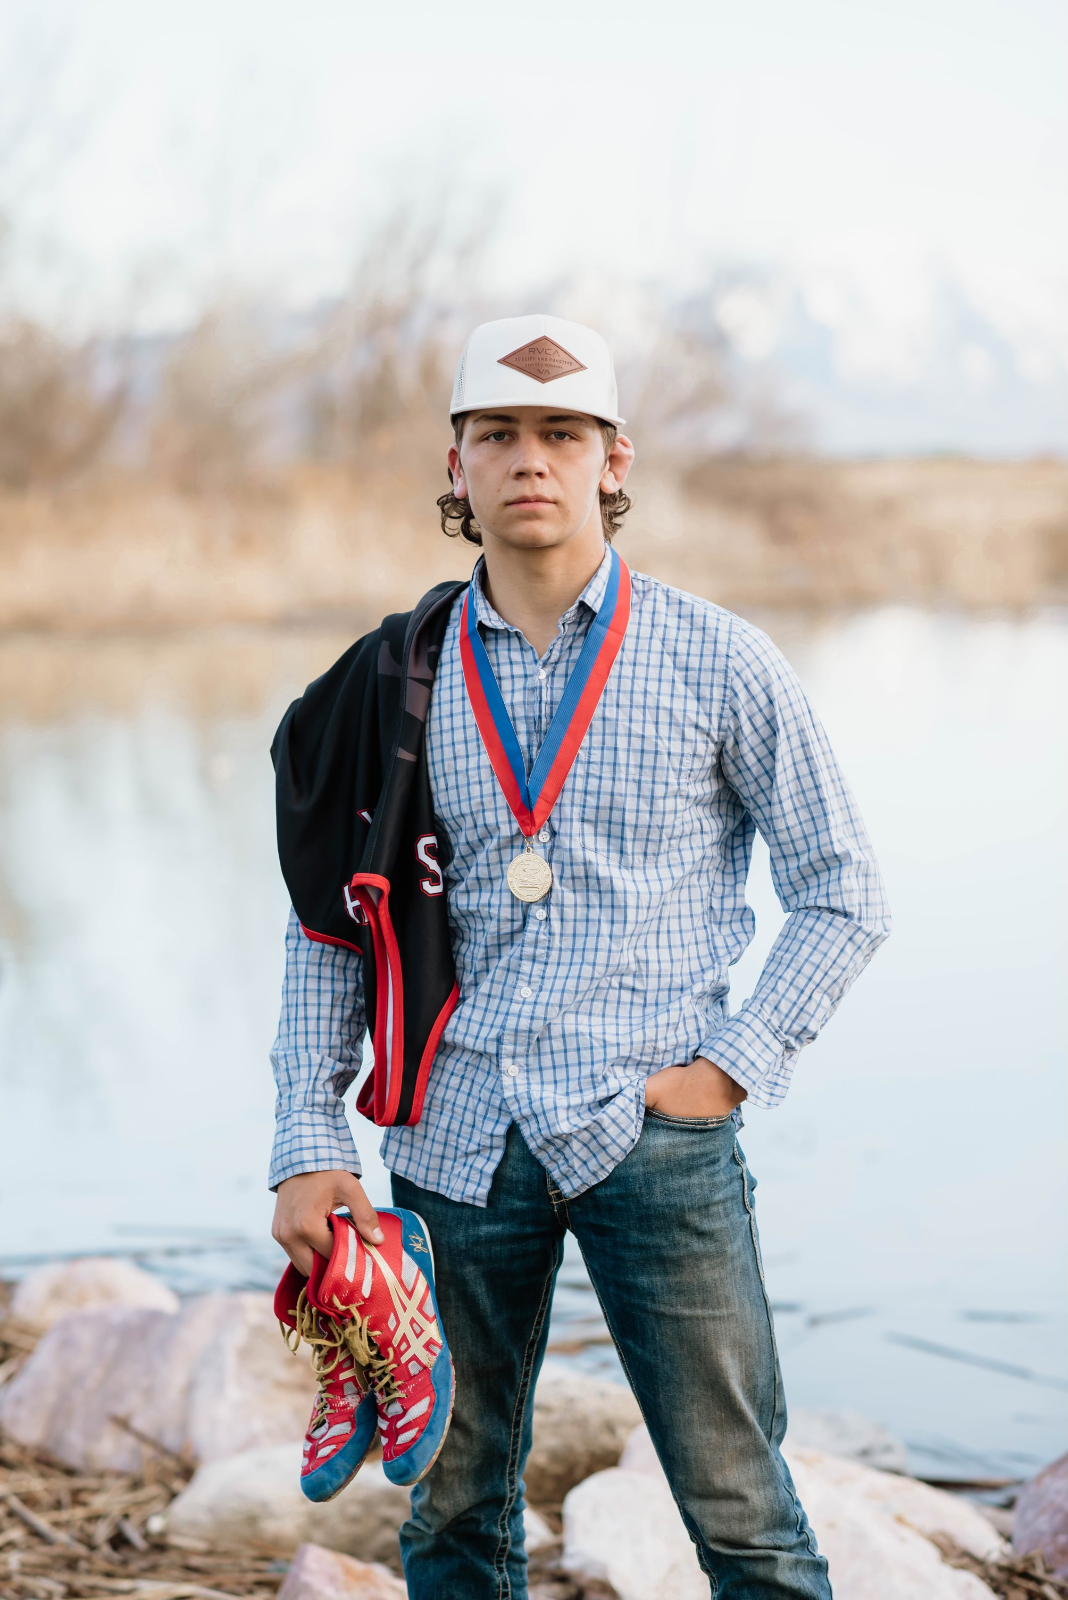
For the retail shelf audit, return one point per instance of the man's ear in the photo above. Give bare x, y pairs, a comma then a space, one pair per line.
456, 474
620, 460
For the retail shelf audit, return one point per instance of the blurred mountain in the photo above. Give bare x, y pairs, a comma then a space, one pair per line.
929, 374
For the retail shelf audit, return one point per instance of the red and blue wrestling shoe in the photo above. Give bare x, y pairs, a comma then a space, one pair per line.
388, 1291
345, 1415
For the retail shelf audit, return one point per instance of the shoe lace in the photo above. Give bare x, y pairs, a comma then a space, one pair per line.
380, 1369
331, 1341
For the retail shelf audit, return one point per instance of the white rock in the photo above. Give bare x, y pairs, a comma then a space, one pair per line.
580, 1426
248, 1389
623, 1528
214, 1379
903, 1500
537, 1531
318, 1574
255, 1498
48, 1294
639, 1455
872, 1539
871, 1526
839, 1432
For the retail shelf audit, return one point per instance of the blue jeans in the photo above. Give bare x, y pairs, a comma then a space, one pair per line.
670, 1243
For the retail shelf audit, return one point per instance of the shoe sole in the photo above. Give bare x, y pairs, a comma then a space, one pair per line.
409, 1482
323, 1475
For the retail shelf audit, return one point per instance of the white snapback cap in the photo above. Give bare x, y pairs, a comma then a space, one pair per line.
536, 361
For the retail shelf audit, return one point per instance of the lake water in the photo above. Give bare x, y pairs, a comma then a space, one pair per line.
912, 1188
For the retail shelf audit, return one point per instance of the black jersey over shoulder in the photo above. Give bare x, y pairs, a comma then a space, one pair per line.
361, 851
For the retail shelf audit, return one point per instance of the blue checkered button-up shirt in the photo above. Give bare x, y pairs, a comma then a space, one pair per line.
703, 735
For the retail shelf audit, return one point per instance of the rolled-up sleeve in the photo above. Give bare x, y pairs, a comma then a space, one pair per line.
316, 1056
777, 759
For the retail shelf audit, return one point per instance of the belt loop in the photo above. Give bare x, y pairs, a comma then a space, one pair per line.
557, 1199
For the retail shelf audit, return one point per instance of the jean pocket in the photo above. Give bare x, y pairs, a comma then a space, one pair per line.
687, 1122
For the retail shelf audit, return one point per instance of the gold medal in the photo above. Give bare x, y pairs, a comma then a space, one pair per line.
530, 876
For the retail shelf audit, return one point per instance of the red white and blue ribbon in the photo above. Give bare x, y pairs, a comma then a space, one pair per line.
531, 799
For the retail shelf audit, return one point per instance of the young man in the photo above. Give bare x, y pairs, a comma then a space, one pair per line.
598, 751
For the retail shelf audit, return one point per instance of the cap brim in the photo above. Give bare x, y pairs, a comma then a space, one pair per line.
510, 400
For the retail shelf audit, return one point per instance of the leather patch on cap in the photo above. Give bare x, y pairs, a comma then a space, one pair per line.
542, 359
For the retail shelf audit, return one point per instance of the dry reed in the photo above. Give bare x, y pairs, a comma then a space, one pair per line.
267, 469
91, 1534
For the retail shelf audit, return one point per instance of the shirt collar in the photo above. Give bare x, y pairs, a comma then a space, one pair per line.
591, 597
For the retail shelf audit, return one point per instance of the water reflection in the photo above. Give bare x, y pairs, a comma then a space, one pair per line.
911, 1189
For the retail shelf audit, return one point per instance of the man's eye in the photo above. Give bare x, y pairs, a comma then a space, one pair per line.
559, 433
498, 436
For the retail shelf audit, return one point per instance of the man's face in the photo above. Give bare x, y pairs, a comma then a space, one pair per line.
533, 474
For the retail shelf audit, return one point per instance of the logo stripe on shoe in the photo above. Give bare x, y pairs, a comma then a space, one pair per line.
418, 1338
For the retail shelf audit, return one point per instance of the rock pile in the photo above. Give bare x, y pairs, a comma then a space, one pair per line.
151, 1389
41, 1299
622, 1527
205, 1381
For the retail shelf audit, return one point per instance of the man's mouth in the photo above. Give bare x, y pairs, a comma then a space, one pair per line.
532, 500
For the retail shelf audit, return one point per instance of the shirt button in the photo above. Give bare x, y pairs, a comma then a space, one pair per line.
525, 992
543, 836
540, 914
511, 1070
542, 674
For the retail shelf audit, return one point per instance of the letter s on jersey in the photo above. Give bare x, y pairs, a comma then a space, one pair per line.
353, 906
426, 849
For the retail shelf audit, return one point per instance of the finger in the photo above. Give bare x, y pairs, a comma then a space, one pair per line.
304, 1235
657, 1082
314, 1229
363, 1212
283, 1231
290, 1236
301, 1256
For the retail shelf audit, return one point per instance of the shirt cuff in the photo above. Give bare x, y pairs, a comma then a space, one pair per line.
754, 1054
308, 1141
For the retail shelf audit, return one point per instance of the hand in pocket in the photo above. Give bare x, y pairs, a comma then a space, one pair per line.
700, 1089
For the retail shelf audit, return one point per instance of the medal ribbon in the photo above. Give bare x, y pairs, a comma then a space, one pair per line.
531, 799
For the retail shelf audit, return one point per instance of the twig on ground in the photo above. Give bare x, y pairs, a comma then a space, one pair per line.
98, 1541
153, 1444
44, 1529
1011, 1577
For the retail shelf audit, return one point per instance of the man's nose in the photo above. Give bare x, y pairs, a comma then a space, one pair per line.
529, 463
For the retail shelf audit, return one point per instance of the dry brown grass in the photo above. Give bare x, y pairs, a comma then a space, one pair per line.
90, 1534
326, 543
57, 414
267, 470
806, 532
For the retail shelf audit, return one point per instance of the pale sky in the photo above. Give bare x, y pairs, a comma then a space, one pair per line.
870, 152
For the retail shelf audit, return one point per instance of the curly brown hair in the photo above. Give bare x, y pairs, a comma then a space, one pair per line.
457, 517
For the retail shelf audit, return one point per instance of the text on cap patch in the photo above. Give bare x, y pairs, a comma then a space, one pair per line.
542, 359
